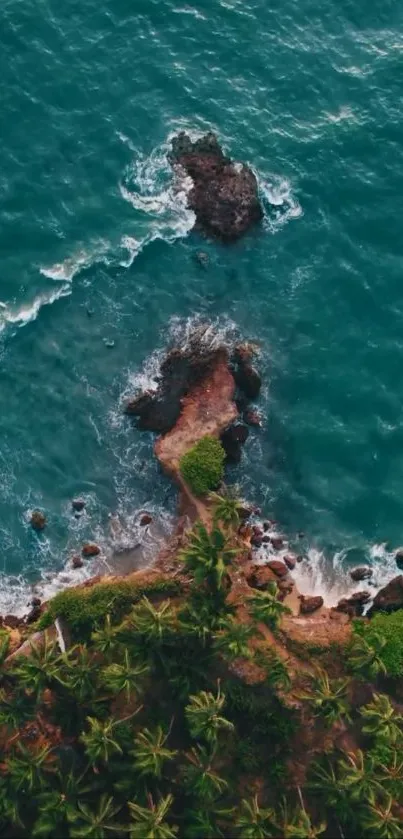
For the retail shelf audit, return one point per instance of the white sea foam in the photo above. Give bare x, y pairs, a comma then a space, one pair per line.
29, 311
189, 10
158, 194
279, 203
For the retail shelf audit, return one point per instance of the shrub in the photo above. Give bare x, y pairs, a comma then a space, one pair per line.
390, 628
203, 466
86, 608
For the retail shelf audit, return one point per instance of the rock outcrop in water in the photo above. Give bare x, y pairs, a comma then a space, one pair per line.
224, 196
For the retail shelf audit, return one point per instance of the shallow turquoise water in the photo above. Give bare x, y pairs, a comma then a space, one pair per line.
95, 247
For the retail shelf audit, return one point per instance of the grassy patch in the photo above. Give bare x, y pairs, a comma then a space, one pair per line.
203, 466
86, 608
390, 628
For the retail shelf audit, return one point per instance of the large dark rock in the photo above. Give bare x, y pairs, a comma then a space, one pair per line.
90, 549
354, 605
224, 196
399, 558
389, 598
182, 369
279, 568
308, 605
232, 440
248, 380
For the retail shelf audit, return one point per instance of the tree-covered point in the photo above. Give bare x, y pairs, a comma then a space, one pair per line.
176, 715
202, 467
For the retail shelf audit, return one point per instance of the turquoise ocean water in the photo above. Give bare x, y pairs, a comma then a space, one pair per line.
95, 248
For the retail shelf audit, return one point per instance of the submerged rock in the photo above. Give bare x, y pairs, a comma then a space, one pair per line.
308, 605
253, 418
38, 520
363, 572
389, 598
224, 196
78, 504
146, 518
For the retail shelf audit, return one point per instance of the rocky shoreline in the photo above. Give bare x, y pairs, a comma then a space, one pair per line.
206, 387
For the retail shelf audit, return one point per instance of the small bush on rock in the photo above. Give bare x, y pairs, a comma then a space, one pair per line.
203, 466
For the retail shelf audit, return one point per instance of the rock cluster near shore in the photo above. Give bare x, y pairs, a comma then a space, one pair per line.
224, 195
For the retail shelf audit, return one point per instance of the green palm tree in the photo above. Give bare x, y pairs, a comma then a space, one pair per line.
390, 775
149, 822
4, 646
381, 821
255, 822
207, 556
150, 753
104, 640
124, 678
204, 715
15, 709
381, 719
78, 674
328, 698
37, 670
266, 607
357, 773
328, 782
366, 657
200, 777
226, 508
298, 825
100, 741
27, 769
206, 822
153, 623
233, 639
94, 824
57, 807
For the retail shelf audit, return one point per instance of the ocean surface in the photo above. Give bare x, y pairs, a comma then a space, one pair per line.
96, 250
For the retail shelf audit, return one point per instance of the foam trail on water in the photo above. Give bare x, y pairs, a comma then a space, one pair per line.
29, 312
279, 203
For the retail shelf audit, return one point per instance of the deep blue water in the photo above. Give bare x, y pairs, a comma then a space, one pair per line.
95, 247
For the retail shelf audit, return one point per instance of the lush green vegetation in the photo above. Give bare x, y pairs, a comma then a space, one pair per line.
382, 637
175, 716
203, 466
85, 608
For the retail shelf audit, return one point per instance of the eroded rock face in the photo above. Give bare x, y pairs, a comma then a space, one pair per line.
182, 369
389, 598
224, 196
